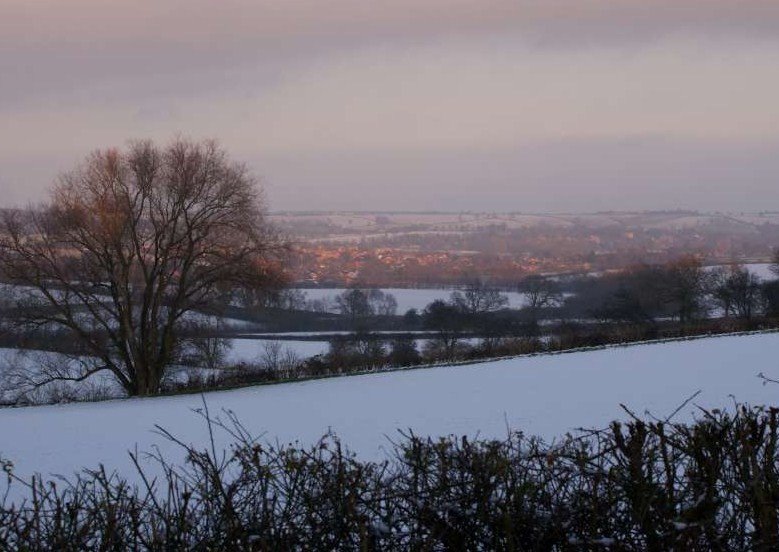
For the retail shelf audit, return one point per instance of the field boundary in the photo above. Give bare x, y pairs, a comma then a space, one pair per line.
426, 366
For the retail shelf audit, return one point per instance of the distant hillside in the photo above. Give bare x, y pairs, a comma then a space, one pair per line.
407, 249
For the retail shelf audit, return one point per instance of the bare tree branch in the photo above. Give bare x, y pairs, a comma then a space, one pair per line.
130, 242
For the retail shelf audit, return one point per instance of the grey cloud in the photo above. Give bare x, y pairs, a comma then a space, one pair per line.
110, 70
624, 173
50, 48
206, 24
632, 172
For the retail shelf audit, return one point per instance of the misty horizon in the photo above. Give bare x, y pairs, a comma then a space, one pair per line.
444, 105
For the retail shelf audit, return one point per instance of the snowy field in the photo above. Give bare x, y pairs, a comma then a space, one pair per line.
544, 395
762, 270
18, 368
253, 351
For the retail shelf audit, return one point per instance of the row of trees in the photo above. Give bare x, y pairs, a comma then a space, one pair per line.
353, 302
481, 309
474, 299
361, 303
683, 290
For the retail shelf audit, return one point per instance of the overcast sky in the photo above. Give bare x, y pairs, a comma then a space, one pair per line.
508, 105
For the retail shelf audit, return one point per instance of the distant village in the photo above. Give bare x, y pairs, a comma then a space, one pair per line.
410, 250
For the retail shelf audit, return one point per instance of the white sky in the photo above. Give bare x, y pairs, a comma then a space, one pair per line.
427, 104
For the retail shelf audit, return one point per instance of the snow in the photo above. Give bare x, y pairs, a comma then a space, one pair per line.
18, 367
252, 350
542, 395
761, 270
214, 321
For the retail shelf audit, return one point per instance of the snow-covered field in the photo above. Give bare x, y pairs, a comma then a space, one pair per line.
543, 395
253, 351
761, 270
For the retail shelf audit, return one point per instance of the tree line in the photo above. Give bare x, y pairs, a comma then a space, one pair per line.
683, 290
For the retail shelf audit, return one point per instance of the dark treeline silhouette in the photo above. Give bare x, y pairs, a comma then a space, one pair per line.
641, 485
682, 290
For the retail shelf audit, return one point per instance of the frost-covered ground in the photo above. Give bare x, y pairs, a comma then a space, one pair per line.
544, 395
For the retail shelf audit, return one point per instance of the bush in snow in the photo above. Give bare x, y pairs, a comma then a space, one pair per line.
642, 485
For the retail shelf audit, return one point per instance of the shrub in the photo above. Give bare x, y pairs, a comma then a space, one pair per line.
640, 485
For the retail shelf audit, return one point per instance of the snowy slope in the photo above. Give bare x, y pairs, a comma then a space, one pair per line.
545, 395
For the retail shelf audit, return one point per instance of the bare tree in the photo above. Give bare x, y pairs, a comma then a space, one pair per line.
737, 291
132, 241
719, 289
477, 298
209, 352
6, 309
354, 304
540, 293
322, 305
683, 288
278, 359
382, 302
449, 323
281, 298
